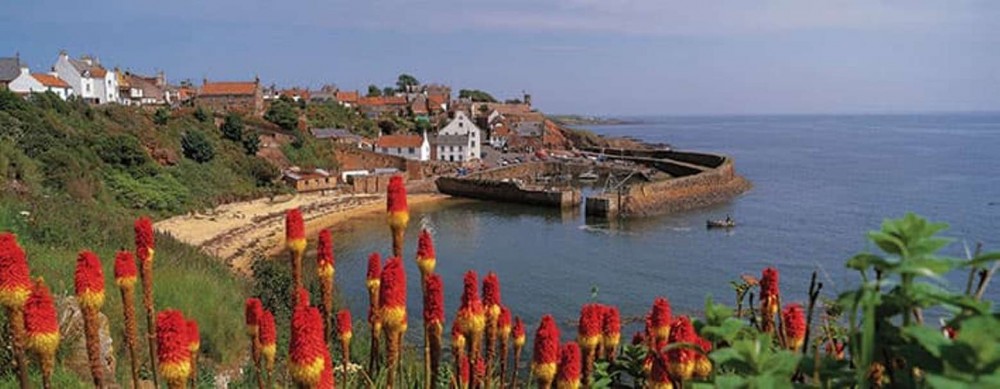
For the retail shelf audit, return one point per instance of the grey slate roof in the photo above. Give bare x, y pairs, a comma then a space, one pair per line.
10, 68
451, 140
326, 133
529, 128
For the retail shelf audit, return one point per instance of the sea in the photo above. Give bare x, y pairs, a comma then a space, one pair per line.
820, 183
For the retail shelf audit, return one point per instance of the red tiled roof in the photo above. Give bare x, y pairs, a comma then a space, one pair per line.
228, 88
394, 100
301, 93
400, 141
435, 101
98, 72
50, 80
347, 97
371, 101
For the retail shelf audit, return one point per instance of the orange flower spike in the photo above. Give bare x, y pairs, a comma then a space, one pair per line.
392, 296
589, 326
326, 380
302, 297
545, 358
41, 322
702, 365
398, 211
426, 259
253, 311
504, 323
433, 301
464, 372
125, 270
611, 328
569, 367
172, 346
659, 320
145, 245
471, 315
295, 231
793, 323
682, 358
325, 261
15, 279
660, 374
344, 326
457, 338
268, 338
769, 291
89, 280
520, 337
491, 295
374, 275
306, 360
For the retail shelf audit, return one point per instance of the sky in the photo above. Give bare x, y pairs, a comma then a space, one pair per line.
599, 57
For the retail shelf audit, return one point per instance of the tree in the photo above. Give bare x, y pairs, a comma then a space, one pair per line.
374, 91
201, 114
251, 142
283, 114
476, 95
197, 147
161, 116
406, 83
232, 128
388, 91
513, 101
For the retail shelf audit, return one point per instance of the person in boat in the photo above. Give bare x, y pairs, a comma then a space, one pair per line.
729, 219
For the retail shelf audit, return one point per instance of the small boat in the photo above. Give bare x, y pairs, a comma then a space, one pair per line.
588, 176
725, 223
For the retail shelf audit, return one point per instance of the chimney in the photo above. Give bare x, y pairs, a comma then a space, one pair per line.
63, 54
25, 71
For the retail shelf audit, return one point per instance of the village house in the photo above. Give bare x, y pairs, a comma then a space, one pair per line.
309, 180
88, 79
459, 141
347, 98
54, 84
339, 136
324, 94
415, 147
26, 82
245, 96
296, 94
142, 90
10, 68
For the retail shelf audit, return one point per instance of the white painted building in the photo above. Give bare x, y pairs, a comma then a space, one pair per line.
415, 147
27, 82
460, 140
88, 79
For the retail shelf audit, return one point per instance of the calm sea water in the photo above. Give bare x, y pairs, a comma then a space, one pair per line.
820, 182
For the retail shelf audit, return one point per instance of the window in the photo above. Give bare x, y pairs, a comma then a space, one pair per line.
385, 150
461, 125
473, 144
88, 87
451, 148
412, 151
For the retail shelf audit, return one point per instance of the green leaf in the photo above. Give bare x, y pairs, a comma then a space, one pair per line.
863, 261
888, 243
928, 267
983, 259
930, 339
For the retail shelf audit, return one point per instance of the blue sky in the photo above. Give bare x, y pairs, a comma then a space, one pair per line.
611, 57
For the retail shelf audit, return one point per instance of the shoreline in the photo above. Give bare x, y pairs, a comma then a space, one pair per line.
237, 232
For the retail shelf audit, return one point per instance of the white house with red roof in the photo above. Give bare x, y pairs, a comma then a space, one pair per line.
26, 82
415, 147
88, 78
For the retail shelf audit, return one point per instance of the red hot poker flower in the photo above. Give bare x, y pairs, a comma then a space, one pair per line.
41, 322
793, 321
307, 347
125, 270
433, 301
659, 319
589, 327
519, 334
396, 197
324, 255
89, 280
268, 336
457, 338
491, 295
464, 371
426, 259
194, 337
569, 366
374, 274
253, 310
660, 374
15, 279
144, 243
295, 230
471, 315
611, 327
682, 358
392, 296
702, 365
172, 346
504, 323
769, 291
302, 297
344, 324
546, 353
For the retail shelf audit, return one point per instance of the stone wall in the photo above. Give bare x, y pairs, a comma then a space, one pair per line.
508, 192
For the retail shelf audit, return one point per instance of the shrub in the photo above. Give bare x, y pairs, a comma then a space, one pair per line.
124, 151
157, 193
251, 143
232, 127
283, 114
161, 116
197, 147
201, 114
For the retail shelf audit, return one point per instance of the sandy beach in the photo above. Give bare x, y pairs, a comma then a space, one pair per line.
236, 232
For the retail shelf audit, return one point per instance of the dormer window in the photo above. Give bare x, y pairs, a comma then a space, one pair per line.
460, 124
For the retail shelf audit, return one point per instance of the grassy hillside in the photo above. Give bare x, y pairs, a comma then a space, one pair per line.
75, 177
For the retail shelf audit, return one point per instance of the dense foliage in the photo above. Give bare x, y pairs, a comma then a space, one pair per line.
476, 95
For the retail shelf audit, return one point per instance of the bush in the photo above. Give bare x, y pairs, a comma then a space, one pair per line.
232, 127
283, 114
202, 115
158, 193
161, 116
124, 151
251, 143
197, 147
